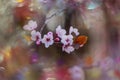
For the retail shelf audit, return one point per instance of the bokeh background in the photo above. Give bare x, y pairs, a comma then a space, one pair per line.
22, 59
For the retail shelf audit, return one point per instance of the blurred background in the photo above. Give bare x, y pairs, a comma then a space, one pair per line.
22, 59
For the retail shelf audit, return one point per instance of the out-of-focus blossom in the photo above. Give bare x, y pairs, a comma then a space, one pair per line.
60, 32
46, 5
77, 73
48, 39
67, 39
88, 61
117, 64
118, 59
30, 26
68, 48
107, 63
73, 30
43, 1
62, 72
36, 36
34, 58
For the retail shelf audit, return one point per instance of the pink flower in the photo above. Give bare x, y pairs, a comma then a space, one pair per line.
77, 73
48, 39
68, 48
36, 36
73, 30
30, 26
67, 39
60, 32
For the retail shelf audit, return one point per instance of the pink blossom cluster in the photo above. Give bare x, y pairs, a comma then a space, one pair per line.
49, 39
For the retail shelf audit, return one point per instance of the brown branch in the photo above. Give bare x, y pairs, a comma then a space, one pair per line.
46, 21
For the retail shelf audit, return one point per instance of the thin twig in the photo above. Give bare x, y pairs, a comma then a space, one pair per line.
46, 21
42, 27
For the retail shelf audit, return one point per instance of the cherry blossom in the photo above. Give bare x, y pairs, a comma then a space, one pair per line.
48, 39
60, 32
77, 73
67, 39
68, 48
73, 30
36, 36
30, 26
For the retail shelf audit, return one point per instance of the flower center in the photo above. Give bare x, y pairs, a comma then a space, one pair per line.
66, 46
67, 40
47, 39
57, 39
37, 37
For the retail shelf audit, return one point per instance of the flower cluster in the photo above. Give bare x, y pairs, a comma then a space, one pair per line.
66, 40
49, 39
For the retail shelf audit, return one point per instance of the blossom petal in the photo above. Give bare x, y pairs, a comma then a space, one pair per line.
67, 39
73, 30
60, 32
30, 26
36, 36
68, 49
